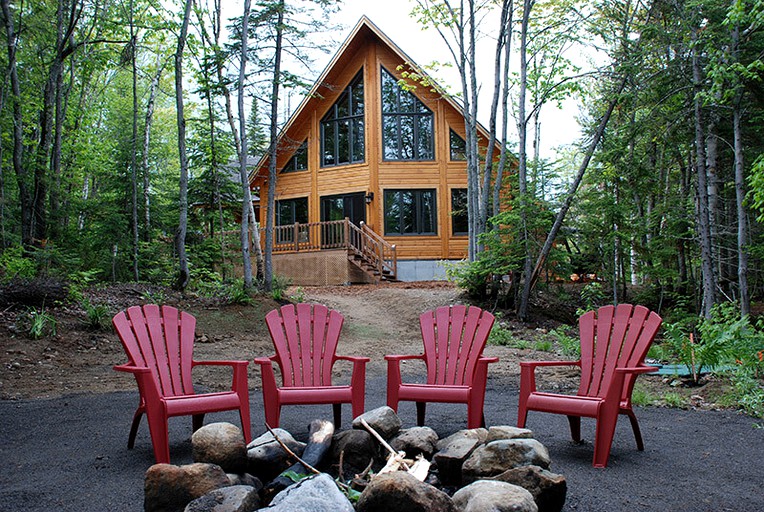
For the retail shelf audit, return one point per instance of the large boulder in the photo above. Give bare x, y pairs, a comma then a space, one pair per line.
237, 498
494, 496
222, 444
169, 488
357, 449
548, 489
498, 456
498, 432
401, 492
382, 419
267, 458
317, 493
415, 441
480, 434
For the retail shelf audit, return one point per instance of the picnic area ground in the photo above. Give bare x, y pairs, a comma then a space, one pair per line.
65, 414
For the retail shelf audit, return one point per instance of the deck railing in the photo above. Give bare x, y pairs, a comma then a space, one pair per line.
361, 241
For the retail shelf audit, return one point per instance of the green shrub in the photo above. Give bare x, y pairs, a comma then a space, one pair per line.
38, 323
98, 315
544, 346
501, 336
279, 285
13, 264
569, 345
592, 296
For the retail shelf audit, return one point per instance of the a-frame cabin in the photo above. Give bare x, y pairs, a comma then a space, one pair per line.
372, 177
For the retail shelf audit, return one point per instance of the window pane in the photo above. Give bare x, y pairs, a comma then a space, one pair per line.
301, 210
459, 219
392, 212
408, 213
390, 137
357, 99
427, 205
407, 138
425, 138
458, 147
389, 93
358, 141
328, 143
343, 142
343, 106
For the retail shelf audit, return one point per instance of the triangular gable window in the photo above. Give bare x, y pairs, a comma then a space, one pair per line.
407, 124
342, 128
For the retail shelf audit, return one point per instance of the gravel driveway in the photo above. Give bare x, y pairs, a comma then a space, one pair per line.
70, 453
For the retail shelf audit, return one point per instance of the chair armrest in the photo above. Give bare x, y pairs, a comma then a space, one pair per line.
487, 360
638, 369
267, 375
239, 381
147, 386
354, 359
396, 357
528, 374
129, 368
533, 364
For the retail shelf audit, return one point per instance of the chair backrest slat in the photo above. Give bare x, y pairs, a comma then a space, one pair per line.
160, 339
614, 337
454, 338
305, 337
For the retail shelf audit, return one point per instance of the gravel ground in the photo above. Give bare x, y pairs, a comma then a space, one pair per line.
70, 453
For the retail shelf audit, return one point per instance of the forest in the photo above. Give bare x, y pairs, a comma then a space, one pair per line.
127, 128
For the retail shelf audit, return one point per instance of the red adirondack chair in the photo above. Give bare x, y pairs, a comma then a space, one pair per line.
614, 342
159, 343
453, 337
305, 337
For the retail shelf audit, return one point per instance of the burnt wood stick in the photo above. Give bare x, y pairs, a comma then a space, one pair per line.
319, 439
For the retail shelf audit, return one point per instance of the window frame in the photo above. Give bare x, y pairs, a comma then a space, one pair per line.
355, 121
291, 165
420, 112
454, 216
419, 211
463, 150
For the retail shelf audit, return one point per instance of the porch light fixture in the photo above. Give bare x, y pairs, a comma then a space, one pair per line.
369, 197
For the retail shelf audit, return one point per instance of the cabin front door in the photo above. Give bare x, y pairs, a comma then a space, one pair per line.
338, 207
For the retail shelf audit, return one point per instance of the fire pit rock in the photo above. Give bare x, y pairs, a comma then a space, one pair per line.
495, 496
402, 492
222, 444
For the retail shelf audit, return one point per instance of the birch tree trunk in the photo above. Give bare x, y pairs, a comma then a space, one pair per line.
273, 150
153, 88
742, 220
180, 236
246, 197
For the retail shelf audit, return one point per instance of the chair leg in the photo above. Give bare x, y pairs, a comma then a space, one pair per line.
635, 428
134, 428
575, 428
246, 421
160, 438
197, 420
420, 411
522, 415
337, 416
603, 439
475, 416
272, 414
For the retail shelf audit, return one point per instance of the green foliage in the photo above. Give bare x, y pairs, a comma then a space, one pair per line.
674, 399
295, 476
501, 336
298, 295
98, 315
641, 397
279, 285
38, 323
13, 264
592, 296
570, 345
154, 296
749, 393
544, 345
238, 294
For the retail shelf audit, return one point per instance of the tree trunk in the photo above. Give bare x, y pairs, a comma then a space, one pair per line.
134, 144
246, 197
273, 150
522, 167
704, 227
150, 106
180, 236
742, 219
22, 174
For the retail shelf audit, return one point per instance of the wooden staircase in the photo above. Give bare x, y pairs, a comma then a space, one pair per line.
365, 249
371, 253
